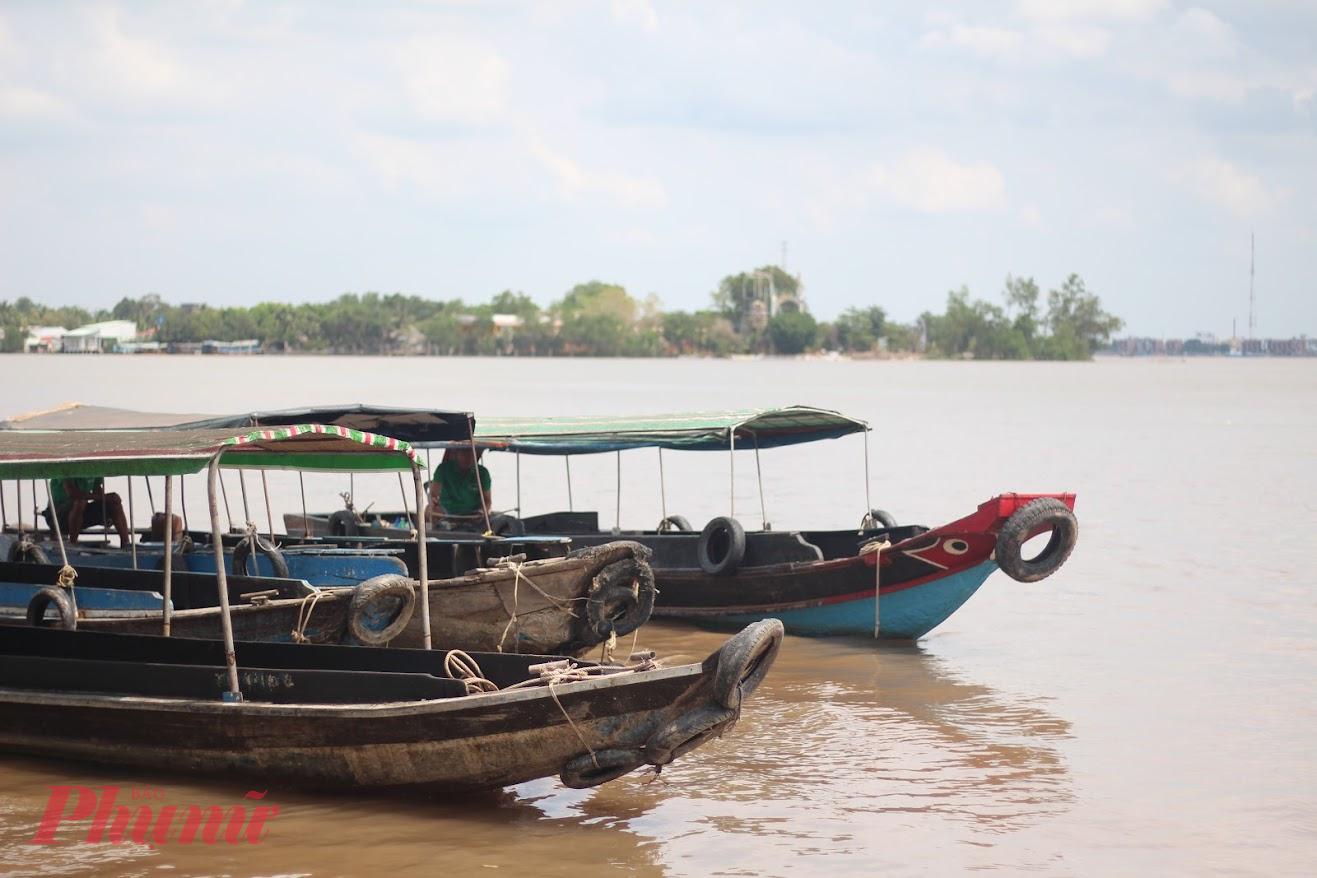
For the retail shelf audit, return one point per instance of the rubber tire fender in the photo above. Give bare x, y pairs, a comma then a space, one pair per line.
685, 733
590, 770
878, 519
371, 600
27, 552
621, 598
1034, 517
719, 532
674, 524
344, 524
243, 551
63, 601
507, 526
743, 661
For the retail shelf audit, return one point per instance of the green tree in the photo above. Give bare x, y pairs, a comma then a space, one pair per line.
1079, 327
859, 329
792, 332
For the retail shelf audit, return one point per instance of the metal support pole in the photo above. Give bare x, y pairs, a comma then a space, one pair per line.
868, 504
759, 470
133, 543
269, 510
663, 489
567, 459
421, 555
169, 551
222, 580
731, 468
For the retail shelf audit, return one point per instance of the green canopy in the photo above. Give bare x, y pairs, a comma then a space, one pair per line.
691, 431
49, 454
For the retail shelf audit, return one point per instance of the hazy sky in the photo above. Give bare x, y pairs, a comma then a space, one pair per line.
237, 152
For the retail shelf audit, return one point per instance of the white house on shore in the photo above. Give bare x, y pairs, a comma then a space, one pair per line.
96, 338
41, 339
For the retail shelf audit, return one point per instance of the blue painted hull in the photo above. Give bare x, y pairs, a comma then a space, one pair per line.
14, 598
905, 614
323, 568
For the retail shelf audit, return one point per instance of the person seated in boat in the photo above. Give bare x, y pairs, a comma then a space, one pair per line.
460, 491
82, 502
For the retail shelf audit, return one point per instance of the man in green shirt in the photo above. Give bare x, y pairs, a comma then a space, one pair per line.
79, 502
460, 486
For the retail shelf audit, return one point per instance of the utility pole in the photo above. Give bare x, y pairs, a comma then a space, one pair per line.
1251, 322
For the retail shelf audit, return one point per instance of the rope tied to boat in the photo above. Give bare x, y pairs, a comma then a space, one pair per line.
304, 611
875, 547
66, 576
512, 617
460, 666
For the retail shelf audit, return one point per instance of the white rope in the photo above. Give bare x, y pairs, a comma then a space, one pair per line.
512, 618
304, 611
875, 548
269, 510
460, 666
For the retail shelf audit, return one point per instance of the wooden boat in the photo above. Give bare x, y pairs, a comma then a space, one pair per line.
560, 603
341, 716
343, 548
897, 582
334, 715
559, 606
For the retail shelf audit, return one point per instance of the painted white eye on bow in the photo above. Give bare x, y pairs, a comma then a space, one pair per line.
956, 547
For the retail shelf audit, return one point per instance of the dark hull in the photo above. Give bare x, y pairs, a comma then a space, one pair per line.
536, 607
154, 702
822, 583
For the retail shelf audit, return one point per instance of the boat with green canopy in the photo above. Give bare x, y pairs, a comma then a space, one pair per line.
335, 715
579, 600
890, 581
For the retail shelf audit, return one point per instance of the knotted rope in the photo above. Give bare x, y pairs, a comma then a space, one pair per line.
460, 666
304, 612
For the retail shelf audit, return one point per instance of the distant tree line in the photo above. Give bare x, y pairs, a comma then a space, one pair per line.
755, 312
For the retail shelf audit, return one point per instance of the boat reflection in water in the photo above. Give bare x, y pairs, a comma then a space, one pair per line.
848, 741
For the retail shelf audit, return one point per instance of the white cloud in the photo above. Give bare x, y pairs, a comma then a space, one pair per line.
1117, 216
990, 41
1032, 217
931, 182
1089, 10
1221, 183
29, 104
1073, 41
1047, 43
1201, 34
636, 10
454, 81
620, 189
135, 68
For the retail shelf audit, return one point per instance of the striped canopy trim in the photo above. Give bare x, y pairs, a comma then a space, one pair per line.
49, 454
692, 431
